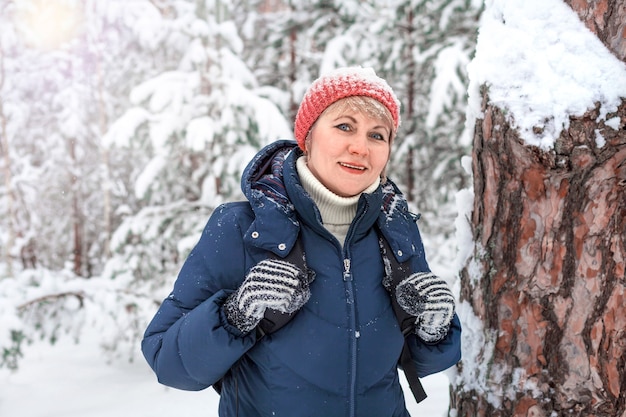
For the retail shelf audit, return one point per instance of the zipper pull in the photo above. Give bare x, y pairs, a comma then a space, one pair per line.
347, 276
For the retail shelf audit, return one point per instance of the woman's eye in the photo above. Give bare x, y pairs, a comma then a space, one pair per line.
377, 136
343, 126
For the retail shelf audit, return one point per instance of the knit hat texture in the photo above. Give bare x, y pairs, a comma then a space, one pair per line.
339, 84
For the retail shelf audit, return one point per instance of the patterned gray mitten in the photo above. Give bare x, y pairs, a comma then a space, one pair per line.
275, 284
428, 298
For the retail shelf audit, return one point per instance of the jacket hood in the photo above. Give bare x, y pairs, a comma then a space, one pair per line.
276, 226
264, 172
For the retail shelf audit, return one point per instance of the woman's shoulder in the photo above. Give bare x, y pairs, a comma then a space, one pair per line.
232, 212
263, 228
228, 219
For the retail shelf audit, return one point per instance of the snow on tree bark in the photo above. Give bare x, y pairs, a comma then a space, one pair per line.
550, 235
605, 18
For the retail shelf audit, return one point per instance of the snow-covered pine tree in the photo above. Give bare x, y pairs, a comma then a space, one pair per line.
60, 99
197, 125
425, 47
286, 43
7, 193
34, 79
60, 106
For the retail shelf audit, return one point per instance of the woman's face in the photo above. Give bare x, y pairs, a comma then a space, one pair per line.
347, 151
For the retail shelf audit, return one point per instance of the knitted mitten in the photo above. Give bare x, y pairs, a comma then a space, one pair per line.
271, 283
428, 298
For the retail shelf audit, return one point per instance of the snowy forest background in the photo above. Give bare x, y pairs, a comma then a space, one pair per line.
125, 123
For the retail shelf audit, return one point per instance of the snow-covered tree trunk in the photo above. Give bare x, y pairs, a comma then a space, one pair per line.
553, 230
76, 213
549, 227
105, 157
6, 173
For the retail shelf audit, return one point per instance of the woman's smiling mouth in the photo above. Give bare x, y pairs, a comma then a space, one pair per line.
357, 167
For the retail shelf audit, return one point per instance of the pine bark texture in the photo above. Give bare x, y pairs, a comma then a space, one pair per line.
550, 234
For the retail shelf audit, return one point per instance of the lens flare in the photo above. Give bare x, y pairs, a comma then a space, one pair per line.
48, 24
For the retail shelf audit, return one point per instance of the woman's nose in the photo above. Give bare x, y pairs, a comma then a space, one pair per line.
358, 145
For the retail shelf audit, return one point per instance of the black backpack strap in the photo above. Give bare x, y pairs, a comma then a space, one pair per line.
406, 362
396, 272
274, 320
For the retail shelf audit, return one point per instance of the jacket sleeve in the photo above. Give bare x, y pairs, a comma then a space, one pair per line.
189, 344
433, 358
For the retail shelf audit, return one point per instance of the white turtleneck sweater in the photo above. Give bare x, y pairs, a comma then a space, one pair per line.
337, 212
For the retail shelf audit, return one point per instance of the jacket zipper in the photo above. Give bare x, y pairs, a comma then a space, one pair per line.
347, 277
351, 300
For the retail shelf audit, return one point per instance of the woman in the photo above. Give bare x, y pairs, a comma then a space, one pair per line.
338, 354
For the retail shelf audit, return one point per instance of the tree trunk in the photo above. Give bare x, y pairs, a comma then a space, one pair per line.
105, 161
410, 99
550, 249
8, 179
293, 67
77, 215
550, 229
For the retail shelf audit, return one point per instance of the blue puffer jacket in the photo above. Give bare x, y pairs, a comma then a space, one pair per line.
339, 355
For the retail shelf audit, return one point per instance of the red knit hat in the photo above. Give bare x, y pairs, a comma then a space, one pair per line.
338, 84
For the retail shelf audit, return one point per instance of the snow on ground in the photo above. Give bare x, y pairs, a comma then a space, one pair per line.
73, 380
